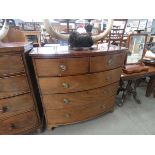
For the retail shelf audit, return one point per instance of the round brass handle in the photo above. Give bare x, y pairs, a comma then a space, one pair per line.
65, 85
4, 109
103, 106
108, 78
110, 62
62, 67
67, 115
13, 126
66, 101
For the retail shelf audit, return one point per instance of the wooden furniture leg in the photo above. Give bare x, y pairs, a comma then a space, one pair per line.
125, 91
150, 86
121, 88
128, 91
134, 92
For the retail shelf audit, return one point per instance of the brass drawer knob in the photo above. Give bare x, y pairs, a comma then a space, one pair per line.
108, 78
110, 62
67, 115
13, 126
65, 85
63, 67
4, 109
103, 106
66, 101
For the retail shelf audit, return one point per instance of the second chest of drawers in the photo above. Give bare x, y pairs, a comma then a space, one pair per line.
76, 86
18, 109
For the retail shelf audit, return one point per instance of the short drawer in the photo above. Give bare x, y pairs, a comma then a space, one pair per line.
49, 85
14, 105
13, 85
61, 67
19, 123
61, 101
81, 113
11, 64
102, 63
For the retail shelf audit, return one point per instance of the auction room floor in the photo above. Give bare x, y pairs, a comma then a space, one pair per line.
131, 119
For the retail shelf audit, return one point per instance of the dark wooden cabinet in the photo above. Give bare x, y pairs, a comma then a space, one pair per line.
77, 85
18, 108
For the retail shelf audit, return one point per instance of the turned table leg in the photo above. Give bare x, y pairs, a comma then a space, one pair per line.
125, 91
128, 91
150, 86
121, 88
134, 92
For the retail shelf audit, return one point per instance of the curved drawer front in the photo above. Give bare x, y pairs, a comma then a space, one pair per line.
15, 105
72, 115
59, 101
49, 85
11, 64
13, 85
19, 123
61, 67
102, 63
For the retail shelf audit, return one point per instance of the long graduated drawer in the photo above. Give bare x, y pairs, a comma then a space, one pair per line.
11, 64
14, 105
13, 85
59, 101
80, 113
49, 85
19, 123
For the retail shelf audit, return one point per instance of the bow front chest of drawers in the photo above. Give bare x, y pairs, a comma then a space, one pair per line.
76, 85
18, 112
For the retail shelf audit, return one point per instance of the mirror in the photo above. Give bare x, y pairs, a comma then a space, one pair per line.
136, 45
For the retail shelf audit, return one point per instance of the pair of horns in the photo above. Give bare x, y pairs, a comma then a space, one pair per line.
57, 35
4, 30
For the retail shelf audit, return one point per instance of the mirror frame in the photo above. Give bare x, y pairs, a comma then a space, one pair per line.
128, 43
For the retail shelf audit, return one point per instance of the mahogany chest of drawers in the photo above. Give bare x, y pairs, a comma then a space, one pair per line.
76, 85
18, 111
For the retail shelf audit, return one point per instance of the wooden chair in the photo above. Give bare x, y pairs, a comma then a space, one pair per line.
117, 33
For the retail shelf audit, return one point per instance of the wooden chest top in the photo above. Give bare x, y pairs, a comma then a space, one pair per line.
15, 47
64, 51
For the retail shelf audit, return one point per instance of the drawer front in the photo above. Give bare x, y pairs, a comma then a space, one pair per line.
72, 115
15, 105
13, 85
19, 123
11, 64
61, 101
49, 85
102, 63
61, 67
